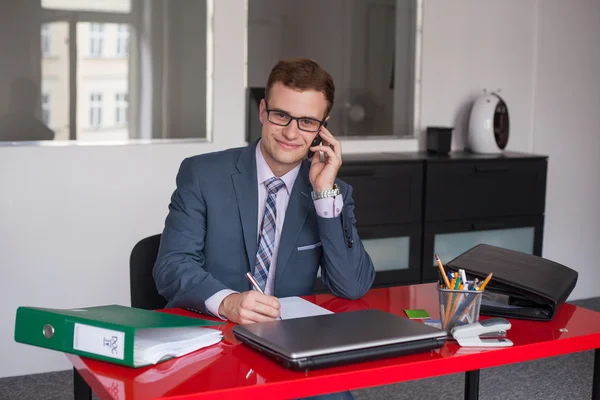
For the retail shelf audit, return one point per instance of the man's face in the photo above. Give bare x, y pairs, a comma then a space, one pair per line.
284, 147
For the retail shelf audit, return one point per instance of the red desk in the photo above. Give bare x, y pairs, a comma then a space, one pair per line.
232, 370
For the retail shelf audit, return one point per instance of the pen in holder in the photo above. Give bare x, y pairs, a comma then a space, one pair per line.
458, 307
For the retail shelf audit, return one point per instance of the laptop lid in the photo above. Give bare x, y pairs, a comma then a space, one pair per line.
335, 333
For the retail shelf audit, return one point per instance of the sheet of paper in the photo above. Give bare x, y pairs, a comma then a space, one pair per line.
297, 307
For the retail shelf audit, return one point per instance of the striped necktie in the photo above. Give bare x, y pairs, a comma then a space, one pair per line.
266, 240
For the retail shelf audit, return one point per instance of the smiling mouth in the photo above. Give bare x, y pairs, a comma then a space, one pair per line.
288, 146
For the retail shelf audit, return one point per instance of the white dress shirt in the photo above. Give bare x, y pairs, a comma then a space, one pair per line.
328, 207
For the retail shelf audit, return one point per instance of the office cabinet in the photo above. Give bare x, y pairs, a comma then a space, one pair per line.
410, 206
387, 190
462, 189
471, 199
387, 194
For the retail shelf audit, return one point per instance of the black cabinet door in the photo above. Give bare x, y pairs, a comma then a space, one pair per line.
395, 251
385, 193
483, 189
450, 239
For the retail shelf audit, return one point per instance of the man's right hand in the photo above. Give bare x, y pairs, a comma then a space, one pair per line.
249, 307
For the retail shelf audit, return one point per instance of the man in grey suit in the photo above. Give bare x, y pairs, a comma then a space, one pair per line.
268, 210
265, 209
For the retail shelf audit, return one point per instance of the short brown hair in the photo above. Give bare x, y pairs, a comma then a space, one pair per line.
303, 74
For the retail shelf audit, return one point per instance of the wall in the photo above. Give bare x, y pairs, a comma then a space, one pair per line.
567, 102
470, 45
71, 214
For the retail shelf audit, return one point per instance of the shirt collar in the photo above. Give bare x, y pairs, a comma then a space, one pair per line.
263, 171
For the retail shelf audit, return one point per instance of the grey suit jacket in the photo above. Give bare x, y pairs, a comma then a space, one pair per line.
210, 237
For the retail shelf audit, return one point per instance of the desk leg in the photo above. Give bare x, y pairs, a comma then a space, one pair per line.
596, 376
81, 390
472, 385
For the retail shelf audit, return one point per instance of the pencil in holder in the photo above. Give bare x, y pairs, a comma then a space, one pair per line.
458, 307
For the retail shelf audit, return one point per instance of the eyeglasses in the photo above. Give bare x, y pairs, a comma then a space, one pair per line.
282, 118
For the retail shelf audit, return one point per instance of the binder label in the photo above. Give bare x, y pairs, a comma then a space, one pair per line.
104, 342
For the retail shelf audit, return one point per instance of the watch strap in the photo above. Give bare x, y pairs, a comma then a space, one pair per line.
322, 194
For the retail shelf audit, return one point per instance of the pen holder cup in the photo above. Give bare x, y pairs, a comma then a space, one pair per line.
458, 307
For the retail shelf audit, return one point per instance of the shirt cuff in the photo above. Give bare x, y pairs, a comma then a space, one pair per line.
329, 207
213, 302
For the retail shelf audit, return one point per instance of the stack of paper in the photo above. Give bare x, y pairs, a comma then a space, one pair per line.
157, 344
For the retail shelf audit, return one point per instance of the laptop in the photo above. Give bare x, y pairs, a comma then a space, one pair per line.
335, 339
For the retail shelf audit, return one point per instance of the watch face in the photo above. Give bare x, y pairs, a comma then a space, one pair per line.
501, 124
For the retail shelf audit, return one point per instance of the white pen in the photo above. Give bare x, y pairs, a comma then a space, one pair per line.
463, 276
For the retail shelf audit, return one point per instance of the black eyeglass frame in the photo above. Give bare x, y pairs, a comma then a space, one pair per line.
269, 110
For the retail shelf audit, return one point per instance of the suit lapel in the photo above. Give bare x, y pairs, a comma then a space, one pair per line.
246, 190
297, 211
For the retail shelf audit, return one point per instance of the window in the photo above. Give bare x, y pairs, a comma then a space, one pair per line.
123, 40
122, 105
133, 78
96, 39
95, 110
46, 40
368, 48
46, 109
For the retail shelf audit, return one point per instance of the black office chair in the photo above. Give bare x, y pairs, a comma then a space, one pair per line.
142, 286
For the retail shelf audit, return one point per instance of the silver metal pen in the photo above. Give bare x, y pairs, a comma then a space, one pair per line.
253, 282
256, 286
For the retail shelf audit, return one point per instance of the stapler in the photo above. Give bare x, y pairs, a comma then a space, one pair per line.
468, 335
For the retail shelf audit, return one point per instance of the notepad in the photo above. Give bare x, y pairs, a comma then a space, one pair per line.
297, 307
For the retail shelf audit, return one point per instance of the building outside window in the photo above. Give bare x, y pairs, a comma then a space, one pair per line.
123, 40
96, 39
122, 105
46, 40
46, 109
95, 110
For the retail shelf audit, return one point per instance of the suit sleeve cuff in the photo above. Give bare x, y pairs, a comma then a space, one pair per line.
213, 302
329, 207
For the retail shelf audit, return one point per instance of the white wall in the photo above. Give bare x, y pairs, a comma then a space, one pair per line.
469, 45
69, 216
567, 104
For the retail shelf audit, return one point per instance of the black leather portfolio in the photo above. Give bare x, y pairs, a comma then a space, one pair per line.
523, 286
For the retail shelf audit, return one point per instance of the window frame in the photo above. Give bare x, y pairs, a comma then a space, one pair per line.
72, 18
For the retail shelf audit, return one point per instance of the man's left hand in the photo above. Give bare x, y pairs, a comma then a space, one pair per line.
322, 174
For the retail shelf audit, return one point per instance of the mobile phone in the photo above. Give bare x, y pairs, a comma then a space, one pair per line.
316, 142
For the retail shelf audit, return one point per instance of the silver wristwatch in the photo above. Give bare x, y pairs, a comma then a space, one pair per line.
326, 193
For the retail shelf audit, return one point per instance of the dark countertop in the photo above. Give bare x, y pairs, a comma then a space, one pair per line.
419, 156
